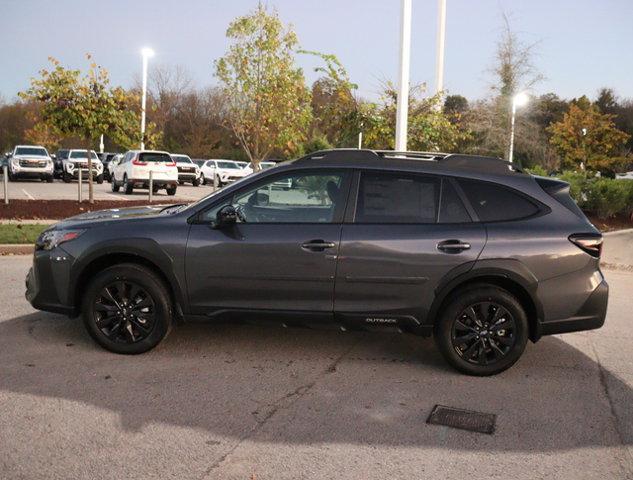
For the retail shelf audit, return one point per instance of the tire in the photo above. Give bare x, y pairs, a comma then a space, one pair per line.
152, 294
203, 180
49, 179
171, 190
11, 176
115, 186
67, 178
218, 181
510, 341
127, 187
100, 179
196, 182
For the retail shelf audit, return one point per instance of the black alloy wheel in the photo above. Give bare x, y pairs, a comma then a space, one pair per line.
483, 333
124, 312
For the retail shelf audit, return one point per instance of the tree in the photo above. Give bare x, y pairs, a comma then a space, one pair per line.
588, 139
334, 106
85, 107
268, 103
429, 128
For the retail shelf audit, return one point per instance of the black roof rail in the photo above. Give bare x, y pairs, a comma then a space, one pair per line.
472, 163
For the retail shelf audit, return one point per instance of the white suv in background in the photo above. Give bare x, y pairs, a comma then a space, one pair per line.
30, 161
226, 171
79, 159
133, 171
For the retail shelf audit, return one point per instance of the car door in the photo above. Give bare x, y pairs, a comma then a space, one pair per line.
279, 256
119, 169
405, 234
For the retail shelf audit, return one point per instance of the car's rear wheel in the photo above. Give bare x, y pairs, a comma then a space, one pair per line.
127, 309
482, 331
128, 188
171, 190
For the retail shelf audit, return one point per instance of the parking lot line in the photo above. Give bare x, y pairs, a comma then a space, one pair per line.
31, 197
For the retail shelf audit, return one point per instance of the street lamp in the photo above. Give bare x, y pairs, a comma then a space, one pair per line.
519, 100
402, 105
146, 53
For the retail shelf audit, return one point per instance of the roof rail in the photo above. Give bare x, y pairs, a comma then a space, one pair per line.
472, 163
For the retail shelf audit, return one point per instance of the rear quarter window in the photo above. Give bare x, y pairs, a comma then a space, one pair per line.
495, 203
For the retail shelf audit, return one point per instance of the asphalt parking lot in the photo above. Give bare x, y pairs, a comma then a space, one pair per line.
255, 402
58, 190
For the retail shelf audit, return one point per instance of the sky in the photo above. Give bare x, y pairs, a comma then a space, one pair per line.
582, 45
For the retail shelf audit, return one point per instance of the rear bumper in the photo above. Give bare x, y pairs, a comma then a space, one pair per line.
589, 317
158, 183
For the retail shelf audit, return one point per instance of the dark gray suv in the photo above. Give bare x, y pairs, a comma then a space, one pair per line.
468, 249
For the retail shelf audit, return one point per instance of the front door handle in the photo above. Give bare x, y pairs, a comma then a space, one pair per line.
453, 246
317, 245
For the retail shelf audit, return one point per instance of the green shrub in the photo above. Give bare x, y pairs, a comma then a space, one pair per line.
607, 197
578, 186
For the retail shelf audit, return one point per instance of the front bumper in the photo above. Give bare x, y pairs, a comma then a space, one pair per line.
187, 177
34, 172
47, 281
590, 316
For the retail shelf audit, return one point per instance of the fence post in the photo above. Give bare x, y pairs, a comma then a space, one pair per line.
215, 181
151, 185
5, 182
79, 187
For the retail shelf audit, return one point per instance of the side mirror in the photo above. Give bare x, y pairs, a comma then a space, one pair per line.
226, 217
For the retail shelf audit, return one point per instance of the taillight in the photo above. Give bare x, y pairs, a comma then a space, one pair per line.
137, 161
588, 242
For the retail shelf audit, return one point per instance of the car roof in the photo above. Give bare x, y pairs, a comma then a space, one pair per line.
150, 151
30, 146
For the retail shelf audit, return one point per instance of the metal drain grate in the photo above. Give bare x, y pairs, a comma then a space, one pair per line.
463, 419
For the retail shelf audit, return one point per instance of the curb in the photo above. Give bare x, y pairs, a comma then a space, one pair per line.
618, 232
16, 249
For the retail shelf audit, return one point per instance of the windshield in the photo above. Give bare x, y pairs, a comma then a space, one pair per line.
181, 159
62, 154
35, 151
232, 165
82, 154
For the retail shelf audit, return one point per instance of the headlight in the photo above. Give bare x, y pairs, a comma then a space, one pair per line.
52, 238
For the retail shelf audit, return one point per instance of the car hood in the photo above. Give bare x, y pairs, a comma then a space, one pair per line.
110, 215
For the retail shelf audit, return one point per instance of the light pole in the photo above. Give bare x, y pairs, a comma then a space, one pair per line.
146, 53
519, 100
441, 36
402, 109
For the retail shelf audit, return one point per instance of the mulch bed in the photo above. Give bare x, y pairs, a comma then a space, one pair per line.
58, 209
619, 222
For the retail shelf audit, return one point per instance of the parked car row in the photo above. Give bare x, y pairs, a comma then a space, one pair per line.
127, 171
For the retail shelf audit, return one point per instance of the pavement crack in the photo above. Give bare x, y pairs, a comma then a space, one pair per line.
283, 402
614, 414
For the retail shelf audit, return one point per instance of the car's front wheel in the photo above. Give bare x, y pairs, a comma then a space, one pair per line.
128, 187
482, 331
115, 186
127, 309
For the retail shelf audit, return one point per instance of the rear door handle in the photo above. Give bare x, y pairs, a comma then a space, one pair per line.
317, 245
453, 246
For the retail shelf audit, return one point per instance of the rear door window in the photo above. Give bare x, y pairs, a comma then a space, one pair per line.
452, 209
387, 197
495, 203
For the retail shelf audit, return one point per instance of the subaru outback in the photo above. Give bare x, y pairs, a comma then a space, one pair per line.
468, 249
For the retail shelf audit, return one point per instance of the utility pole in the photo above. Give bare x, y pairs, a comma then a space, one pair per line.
402, 110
